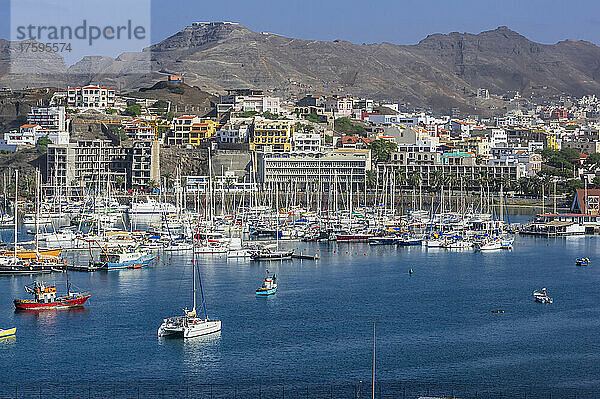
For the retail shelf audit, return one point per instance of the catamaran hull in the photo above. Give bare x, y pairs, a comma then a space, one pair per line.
196, 330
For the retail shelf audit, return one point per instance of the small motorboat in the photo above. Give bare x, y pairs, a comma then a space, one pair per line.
497, 311
541, 296
582, 261
11, 332
269, 286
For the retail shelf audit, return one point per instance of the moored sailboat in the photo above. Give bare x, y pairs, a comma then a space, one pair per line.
189, 325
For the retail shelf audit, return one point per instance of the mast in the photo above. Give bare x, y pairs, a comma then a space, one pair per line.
16, 212
37, 210
194, 281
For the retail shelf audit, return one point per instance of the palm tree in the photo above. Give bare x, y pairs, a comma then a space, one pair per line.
371, 178
437, 179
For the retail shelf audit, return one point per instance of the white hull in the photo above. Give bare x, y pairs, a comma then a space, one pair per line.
200, 328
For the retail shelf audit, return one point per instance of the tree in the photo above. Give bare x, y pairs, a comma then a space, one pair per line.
120, 181
111, 111
371, 178
346, 126
133, 110
42, 144
312, 118
593, 159
381, 150
151, 185
596, 182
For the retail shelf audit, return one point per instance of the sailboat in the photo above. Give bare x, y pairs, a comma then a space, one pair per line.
189, 325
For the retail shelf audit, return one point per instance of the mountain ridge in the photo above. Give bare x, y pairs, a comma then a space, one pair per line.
441, 71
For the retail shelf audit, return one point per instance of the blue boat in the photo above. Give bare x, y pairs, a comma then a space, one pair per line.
269, 286
582, 261
122, 258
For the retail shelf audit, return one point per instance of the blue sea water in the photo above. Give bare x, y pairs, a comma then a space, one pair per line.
436, 325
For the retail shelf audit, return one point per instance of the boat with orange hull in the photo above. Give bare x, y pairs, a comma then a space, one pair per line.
45, 298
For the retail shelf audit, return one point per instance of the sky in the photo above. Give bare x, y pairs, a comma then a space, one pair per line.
399, 21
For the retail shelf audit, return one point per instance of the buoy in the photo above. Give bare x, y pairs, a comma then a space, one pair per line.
410, 271
169, 259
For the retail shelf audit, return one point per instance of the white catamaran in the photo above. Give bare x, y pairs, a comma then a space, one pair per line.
189, 325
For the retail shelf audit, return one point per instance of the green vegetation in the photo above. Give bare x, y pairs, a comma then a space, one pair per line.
312, 118
160, 104
270, 115
119, 132
328, 139
133, 110
346, 126
301, 127
111, 111
177, 90
42, 144
247, 114
381, 150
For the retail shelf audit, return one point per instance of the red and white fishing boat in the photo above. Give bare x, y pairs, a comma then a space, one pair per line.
45, 298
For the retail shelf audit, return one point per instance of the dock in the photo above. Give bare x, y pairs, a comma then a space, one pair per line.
308, 257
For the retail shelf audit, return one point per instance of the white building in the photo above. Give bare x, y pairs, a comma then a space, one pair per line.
340, 167
233, 133
30, 133
139, 130
241, 100
309, 143
53, 118
98, 97
340, 106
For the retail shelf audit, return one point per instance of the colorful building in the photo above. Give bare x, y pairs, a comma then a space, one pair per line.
272, 135
191, 130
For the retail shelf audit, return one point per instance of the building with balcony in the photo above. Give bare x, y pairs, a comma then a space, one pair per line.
191, 130
343, 168
98, 97
272, 135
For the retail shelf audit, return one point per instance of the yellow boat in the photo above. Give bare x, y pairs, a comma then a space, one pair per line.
8, 333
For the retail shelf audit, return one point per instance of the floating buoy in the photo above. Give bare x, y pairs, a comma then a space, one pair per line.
169, 259
333, 251
410, 271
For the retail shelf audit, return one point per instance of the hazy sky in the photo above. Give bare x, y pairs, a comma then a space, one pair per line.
396, 21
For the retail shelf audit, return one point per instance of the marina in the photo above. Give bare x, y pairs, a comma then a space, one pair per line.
444, 304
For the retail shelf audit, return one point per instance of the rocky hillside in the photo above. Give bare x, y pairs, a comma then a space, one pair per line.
440, 72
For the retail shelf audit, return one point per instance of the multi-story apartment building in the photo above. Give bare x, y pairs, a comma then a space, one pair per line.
96, 163
91, 96
239, 100
139, 130
340, 106
29, 134
272, 135
343, 167
191, 130
431, 165
49, 118
309, 143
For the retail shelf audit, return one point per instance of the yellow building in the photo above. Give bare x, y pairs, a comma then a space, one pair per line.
553, 140
192, 130
272, 135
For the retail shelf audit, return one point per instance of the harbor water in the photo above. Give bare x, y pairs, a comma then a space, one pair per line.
437, 325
